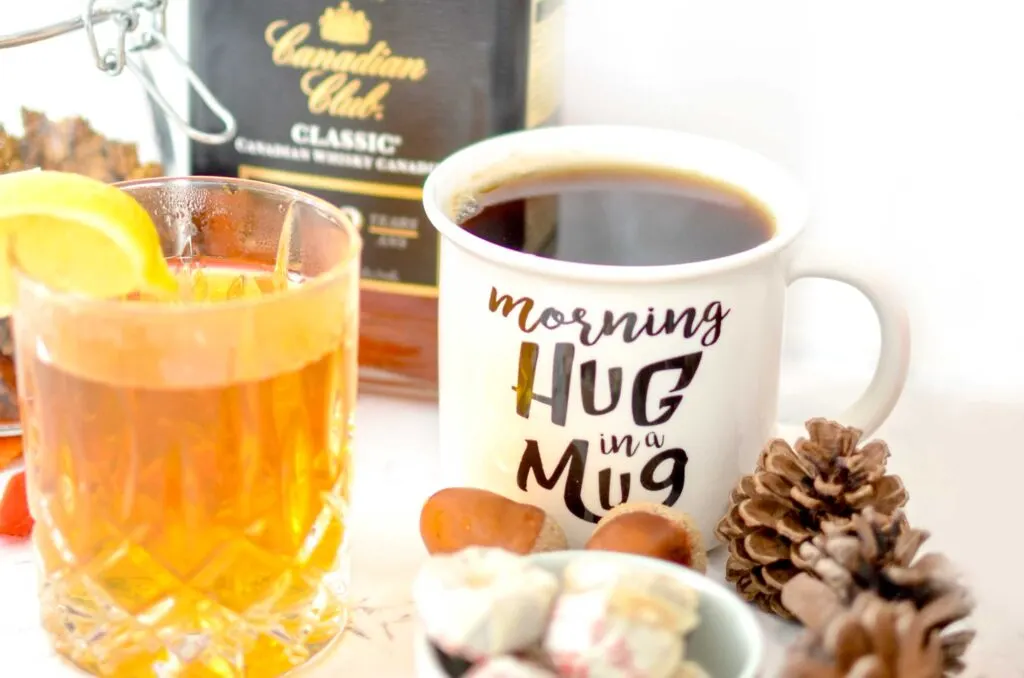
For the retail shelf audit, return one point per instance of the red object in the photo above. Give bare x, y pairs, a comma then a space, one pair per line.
15, 520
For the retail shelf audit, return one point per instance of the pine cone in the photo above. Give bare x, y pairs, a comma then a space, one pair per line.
876, 638
10, 152
879, 554
790, 494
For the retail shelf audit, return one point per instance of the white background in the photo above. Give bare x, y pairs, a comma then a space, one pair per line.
906, 120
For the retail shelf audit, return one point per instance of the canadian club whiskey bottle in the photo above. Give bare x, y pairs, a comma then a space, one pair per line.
356, 102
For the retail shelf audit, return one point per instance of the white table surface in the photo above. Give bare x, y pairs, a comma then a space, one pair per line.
960, 459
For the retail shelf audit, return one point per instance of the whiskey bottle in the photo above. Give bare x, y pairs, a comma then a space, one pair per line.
356, 102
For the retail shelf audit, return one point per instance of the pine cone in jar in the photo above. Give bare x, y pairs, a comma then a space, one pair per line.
10, 152
792, 492
876, 554
9, 452
73, 145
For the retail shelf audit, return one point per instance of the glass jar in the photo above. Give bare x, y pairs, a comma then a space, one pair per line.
79, 95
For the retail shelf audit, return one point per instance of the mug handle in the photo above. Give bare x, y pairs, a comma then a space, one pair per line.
878, 400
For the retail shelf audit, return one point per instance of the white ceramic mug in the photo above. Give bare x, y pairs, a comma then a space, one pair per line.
521, 374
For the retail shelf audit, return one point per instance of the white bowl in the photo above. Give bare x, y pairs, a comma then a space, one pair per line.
727, 644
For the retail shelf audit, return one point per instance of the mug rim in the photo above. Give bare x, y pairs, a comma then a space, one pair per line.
633, 146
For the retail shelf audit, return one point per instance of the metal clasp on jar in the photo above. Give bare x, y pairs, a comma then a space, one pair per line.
141, 25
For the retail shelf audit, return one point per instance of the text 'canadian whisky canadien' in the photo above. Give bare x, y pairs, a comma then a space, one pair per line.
356, 103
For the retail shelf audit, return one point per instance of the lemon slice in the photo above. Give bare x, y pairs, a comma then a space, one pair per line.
75, 234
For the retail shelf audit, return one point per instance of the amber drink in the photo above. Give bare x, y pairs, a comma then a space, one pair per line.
189, 459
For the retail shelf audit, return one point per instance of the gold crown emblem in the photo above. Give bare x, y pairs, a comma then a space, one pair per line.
344, 26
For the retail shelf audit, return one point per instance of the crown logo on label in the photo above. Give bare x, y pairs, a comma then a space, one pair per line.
344, 26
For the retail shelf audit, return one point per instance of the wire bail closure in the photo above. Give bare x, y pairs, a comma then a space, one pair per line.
114, 60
